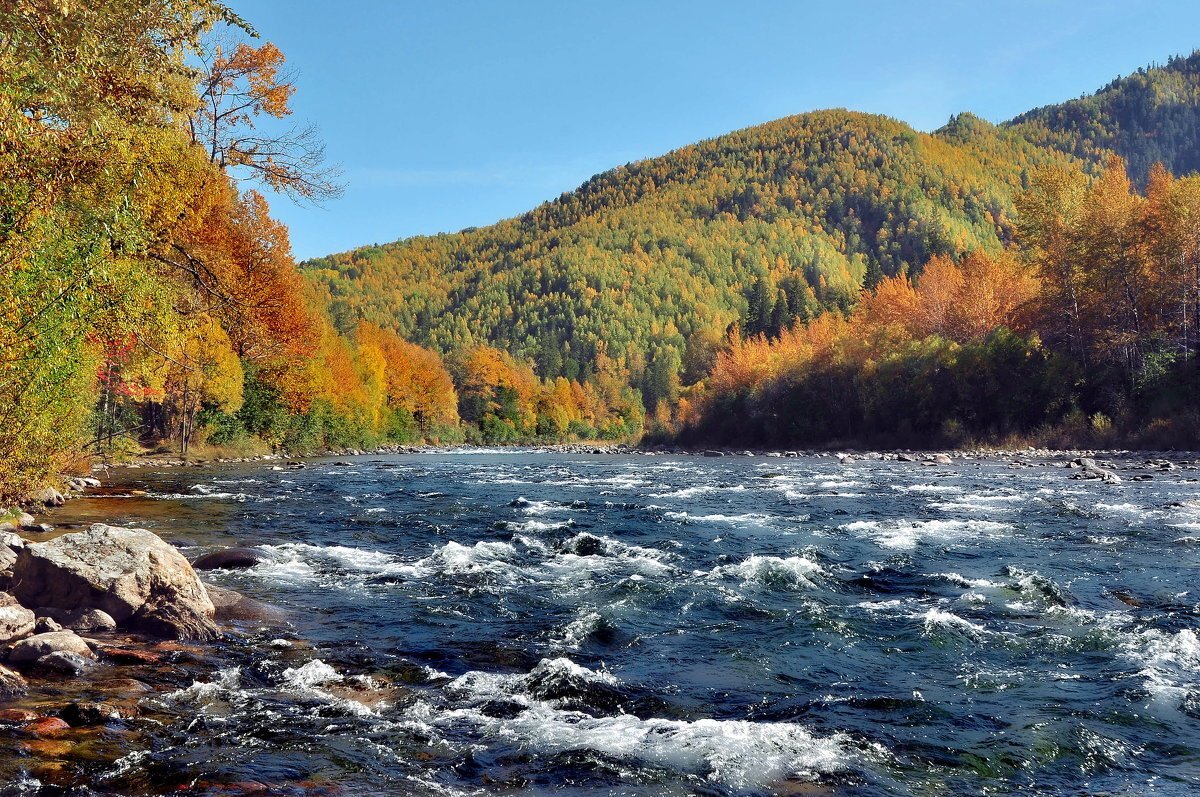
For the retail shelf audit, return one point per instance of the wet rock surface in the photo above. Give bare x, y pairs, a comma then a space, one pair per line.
15, 620
228, 559
130, 574
31, 649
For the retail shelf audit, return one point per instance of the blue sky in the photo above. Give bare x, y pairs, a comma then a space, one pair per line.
453, 113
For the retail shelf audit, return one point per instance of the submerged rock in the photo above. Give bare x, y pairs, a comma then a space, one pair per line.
228, 559
29, 650
15, 620
82, 713
130, 574
234, 606
66, 662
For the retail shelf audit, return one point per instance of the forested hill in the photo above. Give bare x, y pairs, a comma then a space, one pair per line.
645, 267
1152, 116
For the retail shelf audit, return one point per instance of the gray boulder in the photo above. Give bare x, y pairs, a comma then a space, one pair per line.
10, 544
130, 574
15, 620
35, 647
1090, 470
80, 619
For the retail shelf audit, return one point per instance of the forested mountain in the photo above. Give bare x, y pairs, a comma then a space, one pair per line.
651, 263
645, 270
1149, 117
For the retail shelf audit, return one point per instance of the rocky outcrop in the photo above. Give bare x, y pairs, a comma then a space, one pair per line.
1088, 469
130, 574
15, 620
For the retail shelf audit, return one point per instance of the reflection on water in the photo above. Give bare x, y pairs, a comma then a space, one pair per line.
544, 624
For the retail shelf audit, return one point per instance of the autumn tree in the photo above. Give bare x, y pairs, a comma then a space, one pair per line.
241, 88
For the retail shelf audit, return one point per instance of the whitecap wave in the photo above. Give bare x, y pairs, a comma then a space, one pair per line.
792, 571
738, 754
907, 533
1170, 662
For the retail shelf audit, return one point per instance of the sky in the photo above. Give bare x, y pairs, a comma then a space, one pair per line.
445, 114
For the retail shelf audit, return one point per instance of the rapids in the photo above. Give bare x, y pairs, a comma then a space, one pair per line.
529, 624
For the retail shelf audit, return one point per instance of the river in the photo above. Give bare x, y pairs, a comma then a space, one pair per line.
536, 624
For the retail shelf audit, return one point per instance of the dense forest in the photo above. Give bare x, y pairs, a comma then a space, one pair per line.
1086, 331
829, 276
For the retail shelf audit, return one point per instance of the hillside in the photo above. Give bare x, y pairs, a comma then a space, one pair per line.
649, 263
1151, 116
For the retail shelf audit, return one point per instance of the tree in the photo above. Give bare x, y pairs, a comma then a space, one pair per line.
238, 88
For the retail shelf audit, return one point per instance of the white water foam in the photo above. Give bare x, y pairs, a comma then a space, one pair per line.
936, 619
793, 570
750, 518
907, 533
1170, 662
703, 489
735, 753
980, 503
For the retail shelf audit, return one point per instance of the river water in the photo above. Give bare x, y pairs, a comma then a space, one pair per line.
529, 624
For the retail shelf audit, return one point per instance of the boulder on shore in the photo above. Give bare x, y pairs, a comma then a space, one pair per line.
48, 496
10, 544
79, 619
130, 574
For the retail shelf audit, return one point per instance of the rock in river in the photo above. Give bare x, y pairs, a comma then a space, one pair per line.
130, 574
35, 647
11, 683
15, 620
228, 559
